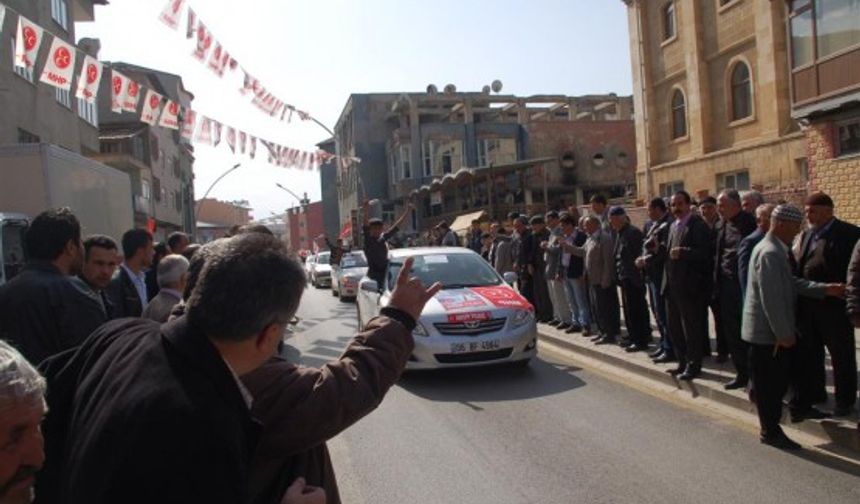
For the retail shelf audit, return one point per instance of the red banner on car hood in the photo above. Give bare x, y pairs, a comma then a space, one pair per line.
503, 297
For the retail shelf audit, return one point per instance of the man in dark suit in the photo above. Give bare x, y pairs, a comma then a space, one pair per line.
519, 246
535, 265
628, 246
734, 225
101, 258
42, 312
687, 270
652, 262
127, 290
172, 276
822, 254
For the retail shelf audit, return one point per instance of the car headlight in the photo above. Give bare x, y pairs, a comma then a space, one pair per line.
420, 330
522, 317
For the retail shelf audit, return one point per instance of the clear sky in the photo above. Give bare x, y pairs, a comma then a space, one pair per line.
314, 53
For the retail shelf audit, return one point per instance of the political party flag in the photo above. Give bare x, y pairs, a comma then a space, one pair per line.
243, 140
231, 139
60, 65
88, 82
151, 108
171, 13
192, 23
132, 96
27, 43
204, 133
170, 116
188, 121
204, 42
216, 133
219, 60
119, 91
253, 148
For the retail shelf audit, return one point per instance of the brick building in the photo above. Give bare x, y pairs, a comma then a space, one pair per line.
226, 213
303, 225
712, 96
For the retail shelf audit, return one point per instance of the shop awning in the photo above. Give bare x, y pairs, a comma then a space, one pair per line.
464, 222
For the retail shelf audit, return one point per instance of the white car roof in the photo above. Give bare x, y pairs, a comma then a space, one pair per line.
403, 253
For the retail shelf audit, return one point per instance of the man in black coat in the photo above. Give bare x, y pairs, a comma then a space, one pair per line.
822, 254
628, 246
150, 413
652, 262
734, 225
520, 246
687, 270
127, 291
42, 312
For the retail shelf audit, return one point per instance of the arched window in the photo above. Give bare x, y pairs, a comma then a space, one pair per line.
741, 92
679, 115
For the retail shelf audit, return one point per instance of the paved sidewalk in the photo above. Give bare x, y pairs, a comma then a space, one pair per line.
840, 432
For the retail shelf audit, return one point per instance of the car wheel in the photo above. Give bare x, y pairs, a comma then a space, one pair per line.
334, 292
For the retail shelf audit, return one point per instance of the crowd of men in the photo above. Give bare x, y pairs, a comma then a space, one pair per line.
776, 290
156, 375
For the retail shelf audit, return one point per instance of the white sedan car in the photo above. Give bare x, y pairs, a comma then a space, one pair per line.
320, 271
346, 276
476, 319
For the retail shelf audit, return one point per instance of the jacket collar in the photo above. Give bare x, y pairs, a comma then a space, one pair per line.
43, 266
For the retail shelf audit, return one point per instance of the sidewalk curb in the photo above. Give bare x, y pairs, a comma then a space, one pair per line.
842, 434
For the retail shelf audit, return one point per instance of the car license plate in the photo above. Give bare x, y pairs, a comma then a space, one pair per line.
475, 346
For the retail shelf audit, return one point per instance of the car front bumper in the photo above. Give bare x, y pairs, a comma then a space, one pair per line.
435, 351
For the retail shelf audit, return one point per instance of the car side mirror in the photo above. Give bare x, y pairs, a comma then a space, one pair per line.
369, 285
510, 277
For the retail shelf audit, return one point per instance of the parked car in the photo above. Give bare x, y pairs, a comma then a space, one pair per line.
321, 270
476, 319
346, 276
309, 265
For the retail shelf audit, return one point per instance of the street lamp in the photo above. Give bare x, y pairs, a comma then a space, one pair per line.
303, 202
200, 203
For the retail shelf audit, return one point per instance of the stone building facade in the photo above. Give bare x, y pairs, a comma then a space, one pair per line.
712, 97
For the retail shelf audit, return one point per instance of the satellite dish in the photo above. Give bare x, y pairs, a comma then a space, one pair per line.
450, 89
432, 89
486, 90
497, 85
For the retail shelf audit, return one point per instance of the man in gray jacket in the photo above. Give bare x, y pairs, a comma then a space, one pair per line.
554, 274
769, 320
500, 251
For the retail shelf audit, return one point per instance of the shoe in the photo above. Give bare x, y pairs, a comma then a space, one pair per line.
721, 358
554, 322
842, 411
738, 383
563, 326
690, 374
570, 330
657, 353
576, 327
677, 370
636, 348
587, 332
664, 359
811, 413
606, 340
780, 441
597, 337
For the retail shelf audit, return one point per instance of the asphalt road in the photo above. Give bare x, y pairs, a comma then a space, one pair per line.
551, 433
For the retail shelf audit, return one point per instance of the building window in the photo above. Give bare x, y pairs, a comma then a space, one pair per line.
427, 157
64, 97
497, 151
23, 72
599, 159
802, 41
406, 161
741, 92
736, 180
669, 189
157, 189
88, 112
679, 115
669, 21
60, 13
25, 137
837, 25
848, 137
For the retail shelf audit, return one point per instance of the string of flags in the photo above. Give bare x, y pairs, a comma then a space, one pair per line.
58, 70
209, 51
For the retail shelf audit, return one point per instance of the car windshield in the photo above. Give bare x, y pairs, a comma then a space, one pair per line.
353, 261
323, 258
454, 271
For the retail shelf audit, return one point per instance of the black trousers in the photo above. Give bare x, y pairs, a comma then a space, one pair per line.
636, 312
686, 312
824, 323
722, 344
770, 377
608, 310
731, 312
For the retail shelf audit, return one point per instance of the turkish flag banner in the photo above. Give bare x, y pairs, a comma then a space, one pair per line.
60, 65
88, 82
204, 133
151, 108
188, 124
204, 42
132, 96
27, 43
171, 13
231, 139
170, 116
192, 24
243, 140
119, 91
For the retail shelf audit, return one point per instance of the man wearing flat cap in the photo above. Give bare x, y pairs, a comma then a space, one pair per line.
822, 253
